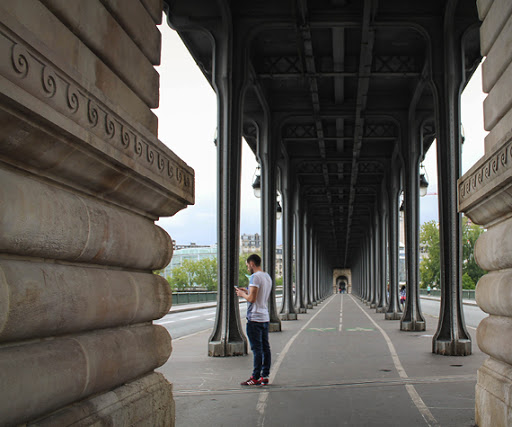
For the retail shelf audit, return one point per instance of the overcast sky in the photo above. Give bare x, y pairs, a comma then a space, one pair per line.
187, 121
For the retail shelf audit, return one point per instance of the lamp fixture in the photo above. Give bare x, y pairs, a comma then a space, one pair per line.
256, 185
423, 181
279, 211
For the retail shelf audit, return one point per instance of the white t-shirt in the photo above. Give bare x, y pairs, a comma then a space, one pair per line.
258, 310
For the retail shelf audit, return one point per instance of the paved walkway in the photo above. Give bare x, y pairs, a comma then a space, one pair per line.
341, 364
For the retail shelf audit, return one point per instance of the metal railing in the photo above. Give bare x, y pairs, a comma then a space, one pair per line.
466, 293
197, 297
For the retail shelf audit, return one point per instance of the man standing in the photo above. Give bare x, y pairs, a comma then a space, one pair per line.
260, 286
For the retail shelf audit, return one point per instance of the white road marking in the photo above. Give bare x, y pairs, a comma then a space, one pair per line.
262, 401
415, 397
211, 319
166, 322
192, 335
191, 317
341, 314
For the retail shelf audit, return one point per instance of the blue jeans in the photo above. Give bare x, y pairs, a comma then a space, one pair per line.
257, 332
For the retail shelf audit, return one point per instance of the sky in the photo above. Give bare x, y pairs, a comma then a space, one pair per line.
187, 121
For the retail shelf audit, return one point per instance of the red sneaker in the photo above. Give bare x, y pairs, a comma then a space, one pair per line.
251, 381
264, 380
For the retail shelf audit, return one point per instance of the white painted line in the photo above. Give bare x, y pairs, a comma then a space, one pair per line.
191, 317
341, 314
211, 319
165, 323
192, 335
415, 397
262, 401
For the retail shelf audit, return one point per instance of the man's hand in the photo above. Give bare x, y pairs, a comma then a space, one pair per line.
241, 292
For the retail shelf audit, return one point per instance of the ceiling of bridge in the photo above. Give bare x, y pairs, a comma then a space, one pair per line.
338, 74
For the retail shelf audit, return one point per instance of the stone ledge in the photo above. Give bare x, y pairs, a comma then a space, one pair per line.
485, 191
87, 107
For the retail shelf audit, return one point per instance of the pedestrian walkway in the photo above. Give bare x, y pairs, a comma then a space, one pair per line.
341, 364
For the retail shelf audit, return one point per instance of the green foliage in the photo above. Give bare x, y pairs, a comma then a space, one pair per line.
243, 281
279, 281
467, 282
206, 273
430, 267
202, 273
470, 233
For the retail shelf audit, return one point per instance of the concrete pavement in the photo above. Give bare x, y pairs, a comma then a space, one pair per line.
339, 364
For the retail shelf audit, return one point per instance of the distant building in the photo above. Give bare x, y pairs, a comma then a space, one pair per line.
279, 261
250, 243
192, 252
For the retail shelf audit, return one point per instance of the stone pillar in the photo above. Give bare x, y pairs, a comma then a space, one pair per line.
288, 310
393, 312
484, 196
83, 177
227, 338
268, 155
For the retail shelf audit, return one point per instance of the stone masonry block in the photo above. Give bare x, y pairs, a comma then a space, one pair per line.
493, 249
494, 337
45, 299
499, 101
494, 292
498, 58
49, 36
155, 8
45, 221
493, 400
495, 19
145, 402
483, 7
138, 24
39, 377
107, 39
500, 133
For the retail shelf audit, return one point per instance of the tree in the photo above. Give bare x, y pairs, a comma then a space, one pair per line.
430, 267
202, 272
470, 233
467, 282
206, 273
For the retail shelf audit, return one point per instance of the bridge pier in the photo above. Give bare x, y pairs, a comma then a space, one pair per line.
412, 319
227, 338
393, 311
288, 310
84, 177
484, 196
300, 286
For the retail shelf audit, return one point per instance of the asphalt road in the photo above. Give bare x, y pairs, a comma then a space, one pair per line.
186, 323
472, 314
190, 322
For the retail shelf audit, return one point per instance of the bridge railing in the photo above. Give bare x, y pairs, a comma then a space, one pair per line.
466, 293
198, 297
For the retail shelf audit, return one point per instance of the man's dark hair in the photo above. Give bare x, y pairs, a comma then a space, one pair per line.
255, 259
